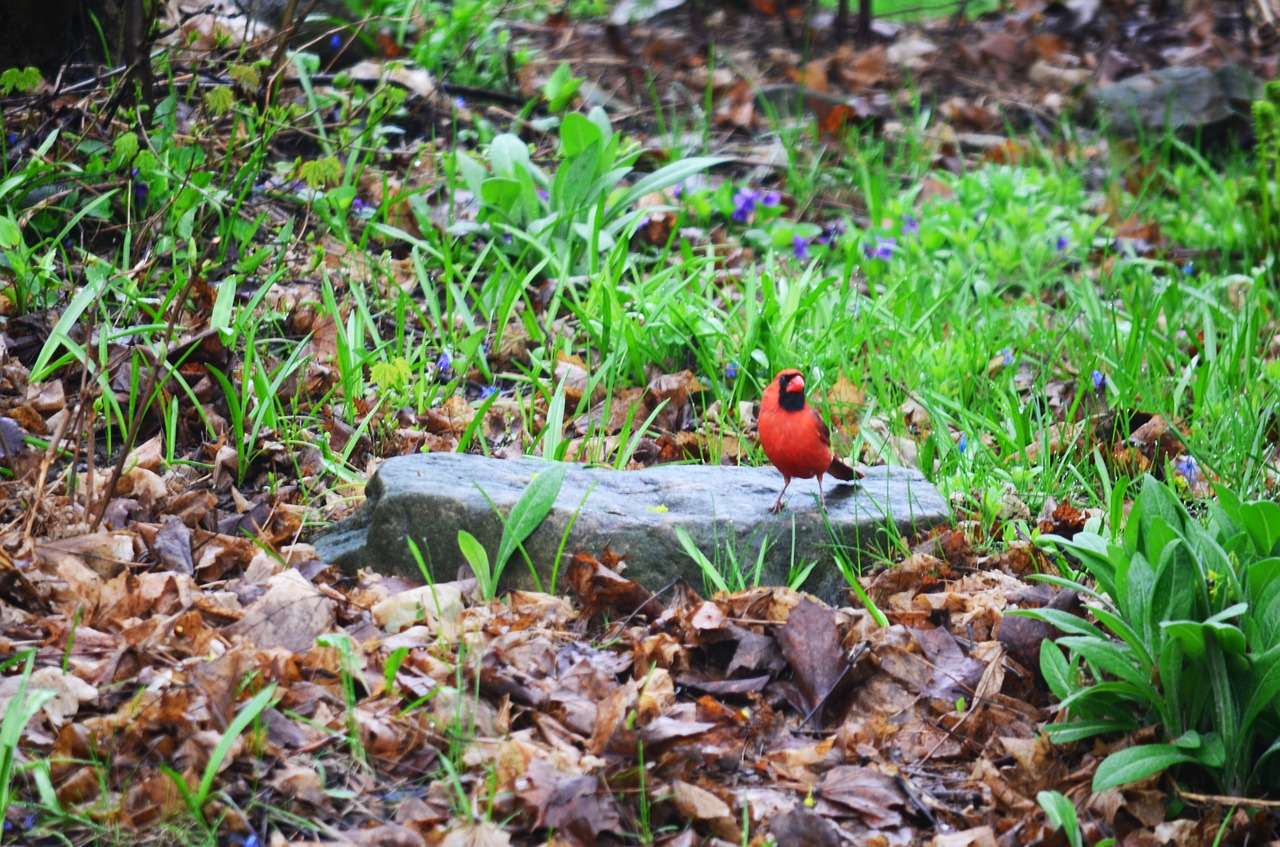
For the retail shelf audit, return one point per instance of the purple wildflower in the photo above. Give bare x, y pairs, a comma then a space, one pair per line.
963, 443
731, 369
883, 248
677, 191
543, 194
1187, 466
335, 41
1189, 269
488, 391
833, 231
459, 103
1099, 378
1008, 356
140, 189
744, 204
910, 225
443, 361
770, 199
1062, 243
800, 247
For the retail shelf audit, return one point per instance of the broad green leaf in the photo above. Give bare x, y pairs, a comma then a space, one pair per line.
1062, 815
1190, 636
1264, 687
573, 182
508, 155
1067, 733
10, 234
473, 173
1261, 519
1064, 621
1135, 763
577, 133
1142, 647
501, 193
473, 551
1055, 669
1115, 659
531, 509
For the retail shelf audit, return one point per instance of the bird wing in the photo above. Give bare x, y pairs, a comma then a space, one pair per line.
838, 468
824, 433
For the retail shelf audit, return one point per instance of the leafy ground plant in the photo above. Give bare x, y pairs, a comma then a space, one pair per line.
1187, 637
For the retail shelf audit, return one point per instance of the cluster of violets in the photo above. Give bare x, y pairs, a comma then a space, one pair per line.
746, 200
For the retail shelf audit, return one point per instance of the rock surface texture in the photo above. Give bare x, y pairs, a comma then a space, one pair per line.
724, 509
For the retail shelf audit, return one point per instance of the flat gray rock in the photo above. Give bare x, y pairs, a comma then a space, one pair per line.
725, 510
1176, 97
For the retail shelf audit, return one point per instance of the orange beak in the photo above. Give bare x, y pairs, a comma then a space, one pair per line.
796, 384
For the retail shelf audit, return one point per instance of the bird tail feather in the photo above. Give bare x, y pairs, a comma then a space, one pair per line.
842, 471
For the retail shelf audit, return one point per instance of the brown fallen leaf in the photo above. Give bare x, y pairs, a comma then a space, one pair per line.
811, 644
291, 615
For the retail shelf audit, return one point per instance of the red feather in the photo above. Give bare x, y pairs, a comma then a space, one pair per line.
794, 436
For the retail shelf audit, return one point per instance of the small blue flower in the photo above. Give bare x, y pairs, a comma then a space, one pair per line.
1008, 356
140, 190
488, 391
11, 138
963, 443
1062, 243
543, 194
771, 199
731, 369
910, 225
443, 361
644, 222
744, 204
459, 103
883, 248
1187, 466
800, 247
335, 41
677, 191
1189, 269
1099, 378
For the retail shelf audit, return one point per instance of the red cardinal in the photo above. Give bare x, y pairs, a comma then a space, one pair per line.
794, 436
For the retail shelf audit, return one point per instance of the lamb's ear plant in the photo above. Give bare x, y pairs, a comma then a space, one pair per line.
1187, 639
580, 210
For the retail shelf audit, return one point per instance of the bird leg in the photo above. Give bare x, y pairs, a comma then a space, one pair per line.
777, 505
822, 498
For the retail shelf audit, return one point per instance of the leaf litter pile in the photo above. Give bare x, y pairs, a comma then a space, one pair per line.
197, 673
